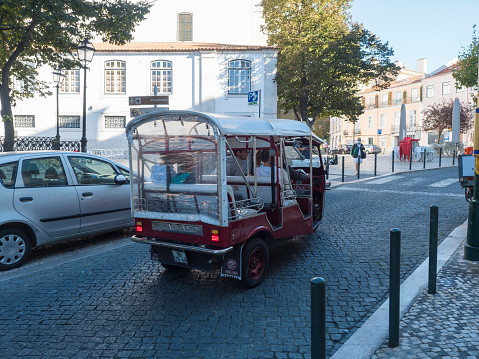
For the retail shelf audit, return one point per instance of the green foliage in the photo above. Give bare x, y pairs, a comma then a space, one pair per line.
36, 33
321, 128
323, 57
466, 71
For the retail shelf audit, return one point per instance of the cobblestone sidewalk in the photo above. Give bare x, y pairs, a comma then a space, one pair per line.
445, 324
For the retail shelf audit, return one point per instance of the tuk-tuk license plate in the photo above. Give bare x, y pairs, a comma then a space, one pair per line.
179, 257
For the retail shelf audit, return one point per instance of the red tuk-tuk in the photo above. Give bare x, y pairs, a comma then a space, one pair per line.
214, 192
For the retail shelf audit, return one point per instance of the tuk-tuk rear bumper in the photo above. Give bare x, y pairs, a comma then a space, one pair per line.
216, 252
186, 256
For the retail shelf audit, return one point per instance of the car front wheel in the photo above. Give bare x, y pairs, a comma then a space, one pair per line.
15, 248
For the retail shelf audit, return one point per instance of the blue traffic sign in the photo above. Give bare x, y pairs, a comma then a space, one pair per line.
253, 98
380, 131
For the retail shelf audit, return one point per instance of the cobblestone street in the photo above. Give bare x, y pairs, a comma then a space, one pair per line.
119, 304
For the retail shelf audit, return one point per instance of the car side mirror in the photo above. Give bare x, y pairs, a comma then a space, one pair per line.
334, 160
120, 179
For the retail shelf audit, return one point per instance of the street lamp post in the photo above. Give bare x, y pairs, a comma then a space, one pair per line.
85, 52
58, 76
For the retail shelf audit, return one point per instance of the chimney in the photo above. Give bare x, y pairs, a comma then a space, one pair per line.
422, 65
399, 64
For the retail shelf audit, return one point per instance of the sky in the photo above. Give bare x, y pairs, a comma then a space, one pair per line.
435, 29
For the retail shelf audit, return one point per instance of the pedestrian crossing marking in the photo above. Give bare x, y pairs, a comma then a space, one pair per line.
412, 193
385, 179
444, 183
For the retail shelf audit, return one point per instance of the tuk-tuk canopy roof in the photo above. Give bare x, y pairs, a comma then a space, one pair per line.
229, 125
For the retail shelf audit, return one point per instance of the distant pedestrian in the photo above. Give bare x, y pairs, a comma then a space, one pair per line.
358, 153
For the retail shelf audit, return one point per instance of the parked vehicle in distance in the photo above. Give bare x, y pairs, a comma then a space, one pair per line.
53, 195
372, 149
341, 150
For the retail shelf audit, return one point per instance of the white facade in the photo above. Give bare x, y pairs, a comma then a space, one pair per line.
199, 82
214, 21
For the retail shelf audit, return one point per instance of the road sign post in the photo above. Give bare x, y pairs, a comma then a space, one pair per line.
254, 98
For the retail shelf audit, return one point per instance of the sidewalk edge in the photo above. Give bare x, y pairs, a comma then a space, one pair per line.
372, 334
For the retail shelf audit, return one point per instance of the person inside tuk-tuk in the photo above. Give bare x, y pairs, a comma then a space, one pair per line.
185, 169
159, 171
264, 159
232, 168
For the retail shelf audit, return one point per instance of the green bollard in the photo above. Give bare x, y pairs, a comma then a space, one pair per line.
410, 159
318, 318
424, 159
433, 235
342, 170
394, 286
440, 155
392, 170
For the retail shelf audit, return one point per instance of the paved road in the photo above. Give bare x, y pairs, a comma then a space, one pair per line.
115, 303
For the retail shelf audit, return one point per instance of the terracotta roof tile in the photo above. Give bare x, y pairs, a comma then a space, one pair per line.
175, 46
393, 84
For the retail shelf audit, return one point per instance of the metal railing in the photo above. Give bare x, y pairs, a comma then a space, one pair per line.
40, 144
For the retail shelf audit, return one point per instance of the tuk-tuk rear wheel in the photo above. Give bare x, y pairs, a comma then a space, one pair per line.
255, 262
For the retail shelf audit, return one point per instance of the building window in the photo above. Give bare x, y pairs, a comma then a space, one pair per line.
371, 102
71, 83
115, 121
397, 119
430, 91
414, 95
370, 121
397, 98
412, 119
25, 121
69, 121
383, 120
115, 76
161, 74
446, 88
384, 100
239, 76
185, 27
459, 89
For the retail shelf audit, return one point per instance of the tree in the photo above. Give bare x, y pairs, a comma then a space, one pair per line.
466, 70
35, 33
323, 58
438, 117
321, 128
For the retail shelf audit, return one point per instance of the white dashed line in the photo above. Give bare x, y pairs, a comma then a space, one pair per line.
385, 180
444, 183
412, 193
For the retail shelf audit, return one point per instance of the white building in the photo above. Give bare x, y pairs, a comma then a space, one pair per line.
206, 76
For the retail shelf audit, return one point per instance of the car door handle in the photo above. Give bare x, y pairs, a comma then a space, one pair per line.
26, 199
87, 194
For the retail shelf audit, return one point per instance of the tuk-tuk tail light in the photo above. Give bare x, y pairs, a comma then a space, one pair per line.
139, 226
215, 235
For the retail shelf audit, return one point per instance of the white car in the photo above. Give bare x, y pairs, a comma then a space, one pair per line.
51, 196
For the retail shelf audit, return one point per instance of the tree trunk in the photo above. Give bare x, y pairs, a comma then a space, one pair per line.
7, 116
439, 136
303, 102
